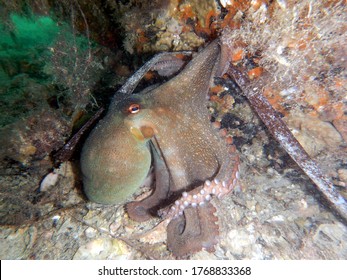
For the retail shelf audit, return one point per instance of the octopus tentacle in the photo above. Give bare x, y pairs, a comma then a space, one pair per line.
193, 231
181, 214
140, 211
153, 64
205, 192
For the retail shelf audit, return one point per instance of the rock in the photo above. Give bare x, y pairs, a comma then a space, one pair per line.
15, 244
103, 248
342, 175
331, 238
33, 138
313, 134
90, 232
239, 241
341, 126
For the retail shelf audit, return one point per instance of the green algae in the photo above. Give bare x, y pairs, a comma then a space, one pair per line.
29, 32
37, 58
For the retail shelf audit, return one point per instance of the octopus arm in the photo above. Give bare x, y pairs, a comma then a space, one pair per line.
145, 209
193, 231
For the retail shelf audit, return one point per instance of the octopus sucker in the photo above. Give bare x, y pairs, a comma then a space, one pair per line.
204, 193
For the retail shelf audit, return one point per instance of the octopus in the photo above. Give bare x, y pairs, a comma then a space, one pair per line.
166, 130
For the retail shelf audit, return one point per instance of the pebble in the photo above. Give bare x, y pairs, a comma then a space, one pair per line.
90, 232
341, 126
49, 181
342, 175
238, 241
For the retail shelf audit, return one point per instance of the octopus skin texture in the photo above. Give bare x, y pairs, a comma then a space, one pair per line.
169, 128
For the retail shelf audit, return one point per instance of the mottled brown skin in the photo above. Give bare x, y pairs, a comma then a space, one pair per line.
195, 229
173, 126
192, 150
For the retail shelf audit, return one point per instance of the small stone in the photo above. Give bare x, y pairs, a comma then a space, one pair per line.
28, 150
250, 204
278, 218
258, 207
50, 180
90, 232
341, 126
342, 175
114, 227
239, 241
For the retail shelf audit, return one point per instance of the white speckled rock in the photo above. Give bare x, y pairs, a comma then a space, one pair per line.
103, 248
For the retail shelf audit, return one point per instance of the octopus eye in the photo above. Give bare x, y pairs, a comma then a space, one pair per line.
134, 108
